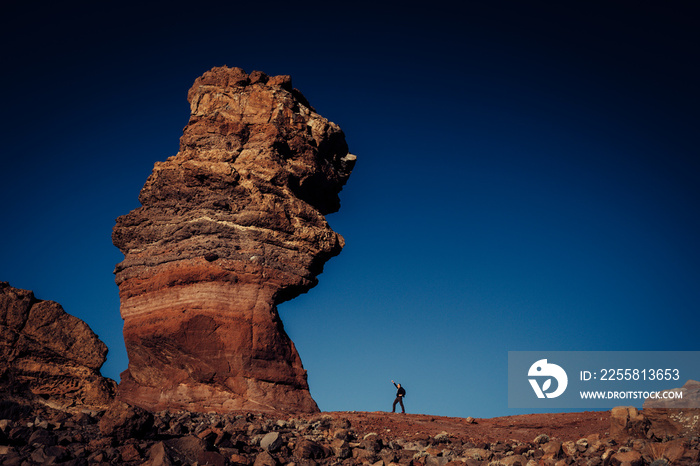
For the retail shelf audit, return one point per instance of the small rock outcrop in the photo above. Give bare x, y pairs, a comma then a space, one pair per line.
49, 355
229, 228
675, 415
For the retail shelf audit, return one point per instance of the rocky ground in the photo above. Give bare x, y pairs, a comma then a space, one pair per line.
127, 435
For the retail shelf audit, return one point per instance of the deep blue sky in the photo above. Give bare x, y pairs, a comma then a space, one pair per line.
527, 178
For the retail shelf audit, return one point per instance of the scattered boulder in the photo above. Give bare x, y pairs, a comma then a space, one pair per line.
158, 455
552, 450
308, 449
341, 448
442, 437
479, 454
123, 421
264, 458
569, 448
627, 458
372, 442
626, 422
514, 460
676, 451
272, 442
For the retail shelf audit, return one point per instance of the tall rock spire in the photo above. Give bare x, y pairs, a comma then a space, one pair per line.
229, 228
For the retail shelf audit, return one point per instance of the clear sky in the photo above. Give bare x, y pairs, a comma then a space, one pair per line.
528, 174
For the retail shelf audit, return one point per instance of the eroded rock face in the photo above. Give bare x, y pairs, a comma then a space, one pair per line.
48, 354
229, 228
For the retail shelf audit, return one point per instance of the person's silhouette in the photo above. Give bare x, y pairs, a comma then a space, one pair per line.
400, 393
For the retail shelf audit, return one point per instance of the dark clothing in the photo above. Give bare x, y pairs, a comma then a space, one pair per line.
399, 400
400, 393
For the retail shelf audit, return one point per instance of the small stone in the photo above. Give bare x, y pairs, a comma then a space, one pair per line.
158, 455
372, 442
569, 448
627, 458
123, 421
436, 461
308, 449
341, 448
514, 460
239, 459
272, 442
188, 447
211, 458
42, 437
479, 454
499, 447
265, 459
129, 453
552, 449
442, 437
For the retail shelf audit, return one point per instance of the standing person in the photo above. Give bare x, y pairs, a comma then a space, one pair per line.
400, 393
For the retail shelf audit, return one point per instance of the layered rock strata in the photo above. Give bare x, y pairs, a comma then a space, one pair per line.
47, 354
229, 228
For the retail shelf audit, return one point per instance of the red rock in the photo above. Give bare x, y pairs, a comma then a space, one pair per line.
480, 454
187, 448
675, 417
522, 449
308, 449
123, 421
129, 453
211, 458
265, 459
552, 450
159, 455
514, 460
627, 458
238, 459
229, 228
47, 353
569, 448
626, 421
677, 451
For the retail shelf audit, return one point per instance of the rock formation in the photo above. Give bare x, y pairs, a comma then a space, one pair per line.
675, 416
230, 227
48, 354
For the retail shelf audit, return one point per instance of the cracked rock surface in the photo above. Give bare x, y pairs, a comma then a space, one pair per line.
229, 228
48, 355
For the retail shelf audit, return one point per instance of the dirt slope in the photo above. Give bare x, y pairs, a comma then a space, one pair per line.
564, 426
